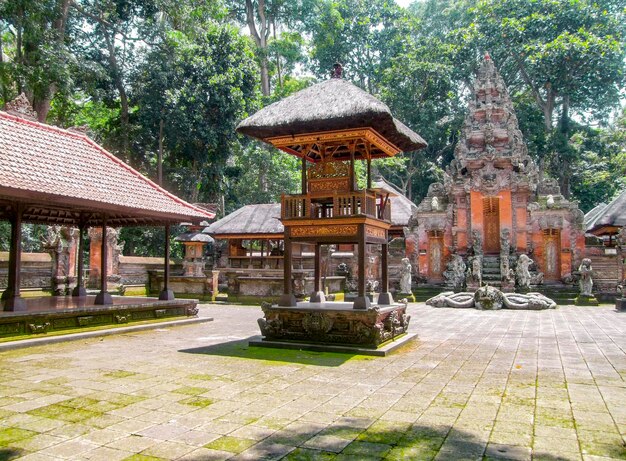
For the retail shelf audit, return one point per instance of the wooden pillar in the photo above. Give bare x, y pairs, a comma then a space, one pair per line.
318, 295
104, 297
352, 177
288, 298
362, 301
11, 298
79, 290
385, 296
304, 182
166, 294
369, 173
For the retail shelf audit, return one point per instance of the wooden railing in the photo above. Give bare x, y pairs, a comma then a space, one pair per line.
358, 203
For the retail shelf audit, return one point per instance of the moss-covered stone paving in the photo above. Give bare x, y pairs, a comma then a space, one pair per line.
474, 385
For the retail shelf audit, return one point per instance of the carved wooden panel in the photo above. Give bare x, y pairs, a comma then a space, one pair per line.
491, 220
551, 254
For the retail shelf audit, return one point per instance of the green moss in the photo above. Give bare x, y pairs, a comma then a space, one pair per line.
79, 402
123, 400
359, 447
384, 432
119, 374
202, 377
13, 434
304, 454
231, 444
197, 402
139, 457
63, 413
190, 390
410, 453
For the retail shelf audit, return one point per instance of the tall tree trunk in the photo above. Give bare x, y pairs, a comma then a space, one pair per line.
160, 154
565, 163
119, 85
260, 37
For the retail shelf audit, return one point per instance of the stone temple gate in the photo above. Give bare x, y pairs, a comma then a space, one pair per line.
494, 205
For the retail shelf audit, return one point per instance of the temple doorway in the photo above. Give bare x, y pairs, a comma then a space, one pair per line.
491, 219
435, 247
551, 246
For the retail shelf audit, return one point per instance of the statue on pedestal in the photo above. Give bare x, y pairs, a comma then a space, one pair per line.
522, 272
405, 276
586, 297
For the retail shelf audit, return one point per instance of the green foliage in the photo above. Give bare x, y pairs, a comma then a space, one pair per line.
259, 174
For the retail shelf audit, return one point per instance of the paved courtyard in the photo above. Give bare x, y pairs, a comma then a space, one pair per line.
494, 385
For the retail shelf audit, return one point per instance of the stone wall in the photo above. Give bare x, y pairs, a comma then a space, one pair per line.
36, 270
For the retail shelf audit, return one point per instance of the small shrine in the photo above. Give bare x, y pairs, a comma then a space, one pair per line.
330, 126
495, 219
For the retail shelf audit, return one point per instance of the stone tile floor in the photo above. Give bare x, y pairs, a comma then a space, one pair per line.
476, 385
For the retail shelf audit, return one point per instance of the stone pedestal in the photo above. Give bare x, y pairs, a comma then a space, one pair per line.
334, 323
620, 304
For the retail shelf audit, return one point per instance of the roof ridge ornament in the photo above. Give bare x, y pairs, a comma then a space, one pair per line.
21, 107
337, 71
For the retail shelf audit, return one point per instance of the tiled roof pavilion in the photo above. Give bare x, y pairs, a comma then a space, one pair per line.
53, 176
59, 175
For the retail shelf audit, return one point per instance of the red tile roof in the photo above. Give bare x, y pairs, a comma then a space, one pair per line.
57, 174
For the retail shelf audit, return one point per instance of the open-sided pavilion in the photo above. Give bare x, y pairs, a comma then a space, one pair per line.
61, 177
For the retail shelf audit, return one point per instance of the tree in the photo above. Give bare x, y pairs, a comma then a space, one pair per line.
34, 37
205, 83
568, 54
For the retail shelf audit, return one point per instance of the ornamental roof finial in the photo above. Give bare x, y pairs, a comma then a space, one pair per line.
487, 56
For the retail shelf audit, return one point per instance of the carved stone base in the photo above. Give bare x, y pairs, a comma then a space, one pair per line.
385, 298
584, 300
287, 300
620, 304
334, 323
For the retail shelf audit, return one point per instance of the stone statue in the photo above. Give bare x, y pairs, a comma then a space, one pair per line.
405, 276
505, 242
434, 204
586, 282
455, 273
490, 298
477, 243
474, 271
522, 272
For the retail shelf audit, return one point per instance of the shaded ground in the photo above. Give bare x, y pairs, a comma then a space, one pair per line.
476, 385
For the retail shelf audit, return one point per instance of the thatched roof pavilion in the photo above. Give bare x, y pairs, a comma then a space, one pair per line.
355, 117
607, 219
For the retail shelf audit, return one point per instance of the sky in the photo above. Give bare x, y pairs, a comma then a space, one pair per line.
404, 3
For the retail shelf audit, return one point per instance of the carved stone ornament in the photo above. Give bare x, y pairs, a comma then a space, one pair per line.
317, 323
490, 298
20, 107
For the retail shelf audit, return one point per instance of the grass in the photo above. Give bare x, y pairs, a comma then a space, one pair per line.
231, 444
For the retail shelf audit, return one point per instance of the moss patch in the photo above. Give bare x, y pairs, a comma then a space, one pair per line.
231, 444
304, 454
13, 434
190, 390
119, 374
79, 402
63, 413
197, 402
140, 457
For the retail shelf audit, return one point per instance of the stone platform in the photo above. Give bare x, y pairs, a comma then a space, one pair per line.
58, 313
329, 325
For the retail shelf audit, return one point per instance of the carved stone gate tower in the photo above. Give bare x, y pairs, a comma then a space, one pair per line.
493, 204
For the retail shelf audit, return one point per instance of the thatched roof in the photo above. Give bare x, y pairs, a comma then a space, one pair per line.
331, 105
610, 216
261, 220
401, 207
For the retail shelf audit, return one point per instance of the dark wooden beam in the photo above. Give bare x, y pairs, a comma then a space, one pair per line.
104, 297
288, 298
79, 290
11, 298
166, 294
362, 301
385, 297
318, 295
